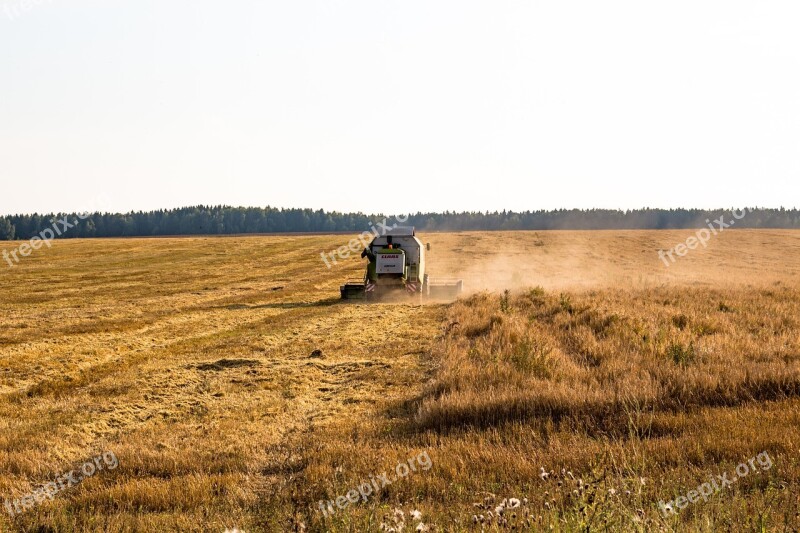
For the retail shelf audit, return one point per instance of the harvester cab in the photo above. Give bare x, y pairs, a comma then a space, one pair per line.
396, 269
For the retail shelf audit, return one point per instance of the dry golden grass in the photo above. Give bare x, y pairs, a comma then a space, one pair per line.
190, 360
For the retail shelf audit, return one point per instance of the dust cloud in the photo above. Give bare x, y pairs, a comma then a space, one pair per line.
586, 260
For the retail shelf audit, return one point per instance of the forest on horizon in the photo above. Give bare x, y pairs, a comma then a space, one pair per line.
227, 220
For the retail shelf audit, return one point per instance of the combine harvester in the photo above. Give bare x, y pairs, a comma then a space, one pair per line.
396, 271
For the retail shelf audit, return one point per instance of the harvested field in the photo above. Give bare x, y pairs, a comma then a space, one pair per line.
237, 391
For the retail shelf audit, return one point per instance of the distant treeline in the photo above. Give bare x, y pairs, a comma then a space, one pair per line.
225, 220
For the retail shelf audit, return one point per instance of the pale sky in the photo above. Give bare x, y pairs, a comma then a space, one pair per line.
398, 106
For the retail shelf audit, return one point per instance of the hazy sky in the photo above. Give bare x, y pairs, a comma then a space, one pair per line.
398, 106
